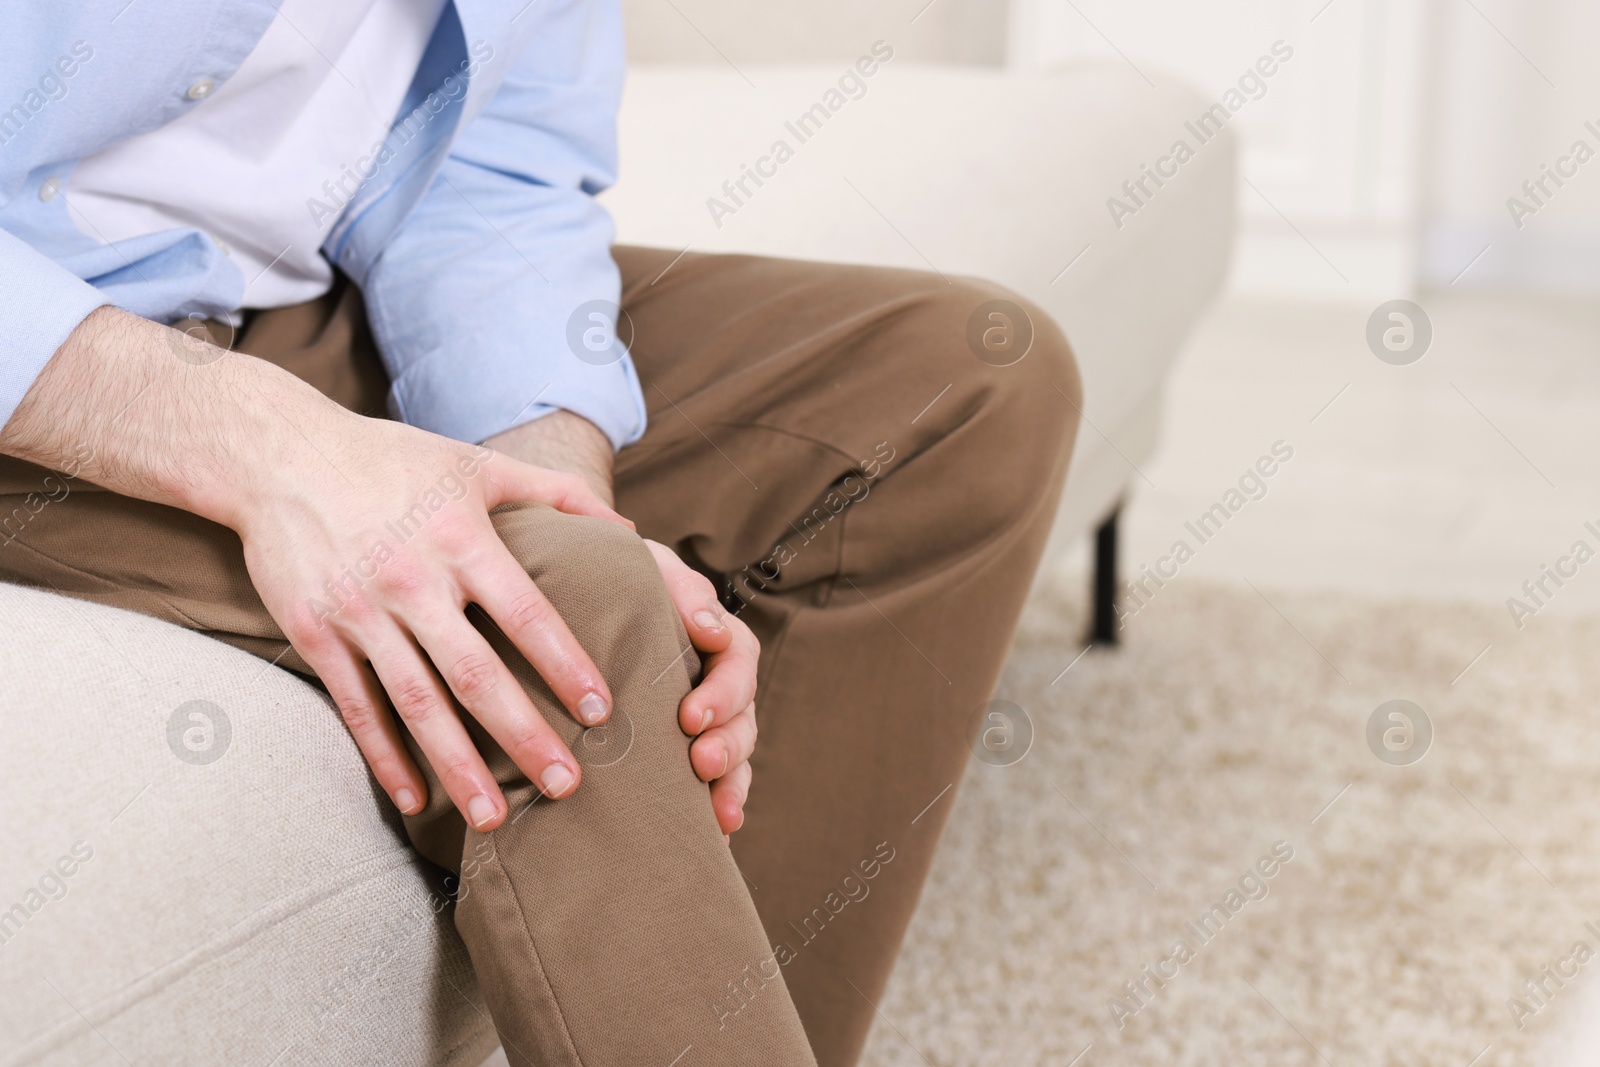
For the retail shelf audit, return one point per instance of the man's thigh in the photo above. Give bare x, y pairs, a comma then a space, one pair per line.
752, 362
768, 381
868, 460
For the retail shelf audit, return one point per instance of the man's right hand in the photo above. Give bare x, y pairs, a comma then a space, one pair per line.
365, 538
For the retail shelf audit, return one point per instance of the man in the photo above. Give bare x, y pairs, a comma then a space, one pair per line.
384, 453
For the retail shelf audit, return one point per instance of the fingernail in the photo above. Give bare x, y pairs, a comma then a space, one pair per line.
480, 810
405, 800
592, 708
705, 720
555, 780
724, 762
708, 620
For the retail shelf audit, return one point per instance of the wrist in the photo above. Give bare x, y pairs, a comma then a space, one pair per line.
562, 441
276, 435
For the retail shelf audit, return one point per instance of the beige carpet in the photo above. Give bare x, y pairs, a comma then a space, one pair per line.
1413, 908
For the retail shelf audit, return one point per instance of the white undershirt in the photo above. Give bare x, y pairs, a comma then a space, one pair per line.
323, 85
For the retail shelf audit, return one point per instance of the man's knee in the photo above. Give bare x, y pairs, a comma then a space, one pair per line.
601, 579
604, 583
1003, 358
1016, 389
1016, 350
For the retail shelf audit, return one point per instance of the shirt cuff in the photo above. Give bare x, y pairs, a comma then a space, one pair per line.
43, 303
432, 397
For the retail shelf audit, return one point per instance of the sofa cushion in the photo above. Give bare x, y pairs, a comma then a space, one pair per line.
198, 868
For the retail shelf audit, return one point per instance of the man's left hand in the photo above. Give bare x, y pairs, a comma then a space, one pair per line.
720, 712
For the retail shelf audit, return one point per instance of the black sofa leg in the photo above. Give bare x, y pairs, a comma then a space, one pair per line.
1104, 628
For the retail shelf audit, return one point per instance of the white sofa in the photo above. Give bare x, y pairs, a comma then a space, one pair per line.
963, 171
264, 908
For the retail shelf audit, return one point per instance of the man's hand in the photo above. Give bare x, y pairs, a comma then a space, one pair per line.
720, 712
366, 539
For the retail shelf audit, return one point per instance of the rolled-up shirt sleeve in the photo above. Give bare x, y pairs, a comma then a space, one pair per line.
485, 302
44, 302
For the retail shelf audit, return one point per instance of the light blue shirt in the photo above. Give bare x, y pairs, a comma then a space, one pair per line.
475, 239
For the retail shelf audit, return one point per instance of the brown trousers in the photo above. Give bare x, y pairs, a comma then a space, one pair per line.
873, 497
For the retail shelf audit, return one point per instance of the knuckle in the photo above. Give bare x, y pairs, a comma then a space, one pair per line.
557, 487
306, 625
358, 609
359, 714
528, 611
402, 578
454, 766
475, 676
388, 770
414, 699
455, 532
743, 635
526, 746
312, 642
317, 624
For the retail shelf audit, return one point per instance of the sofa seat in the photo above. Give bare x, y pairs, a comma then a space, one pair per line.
261, 906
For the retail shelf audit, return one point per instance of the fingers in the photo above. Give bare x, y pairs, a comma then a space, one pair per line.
721, 708
722, 748
728, 685
510, 481
422, 701
365, 710
702, 613
728, 796
488, 690
497, 583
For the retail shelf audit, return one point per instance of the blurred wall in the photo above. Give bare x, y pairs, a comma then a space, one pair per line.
1395, 139
1516, 80
1330, 202
814, 31
1379, 159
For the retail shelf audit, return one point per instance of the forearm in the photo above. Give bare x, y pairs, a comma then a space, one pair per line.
200, 437
195, 437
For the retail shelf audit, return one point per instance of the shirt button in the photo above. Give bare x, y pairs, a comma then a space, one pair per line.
201, 89
49, 188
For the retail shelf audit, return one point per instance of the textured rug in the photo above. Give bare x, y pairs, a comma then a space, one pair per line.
1212, 782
